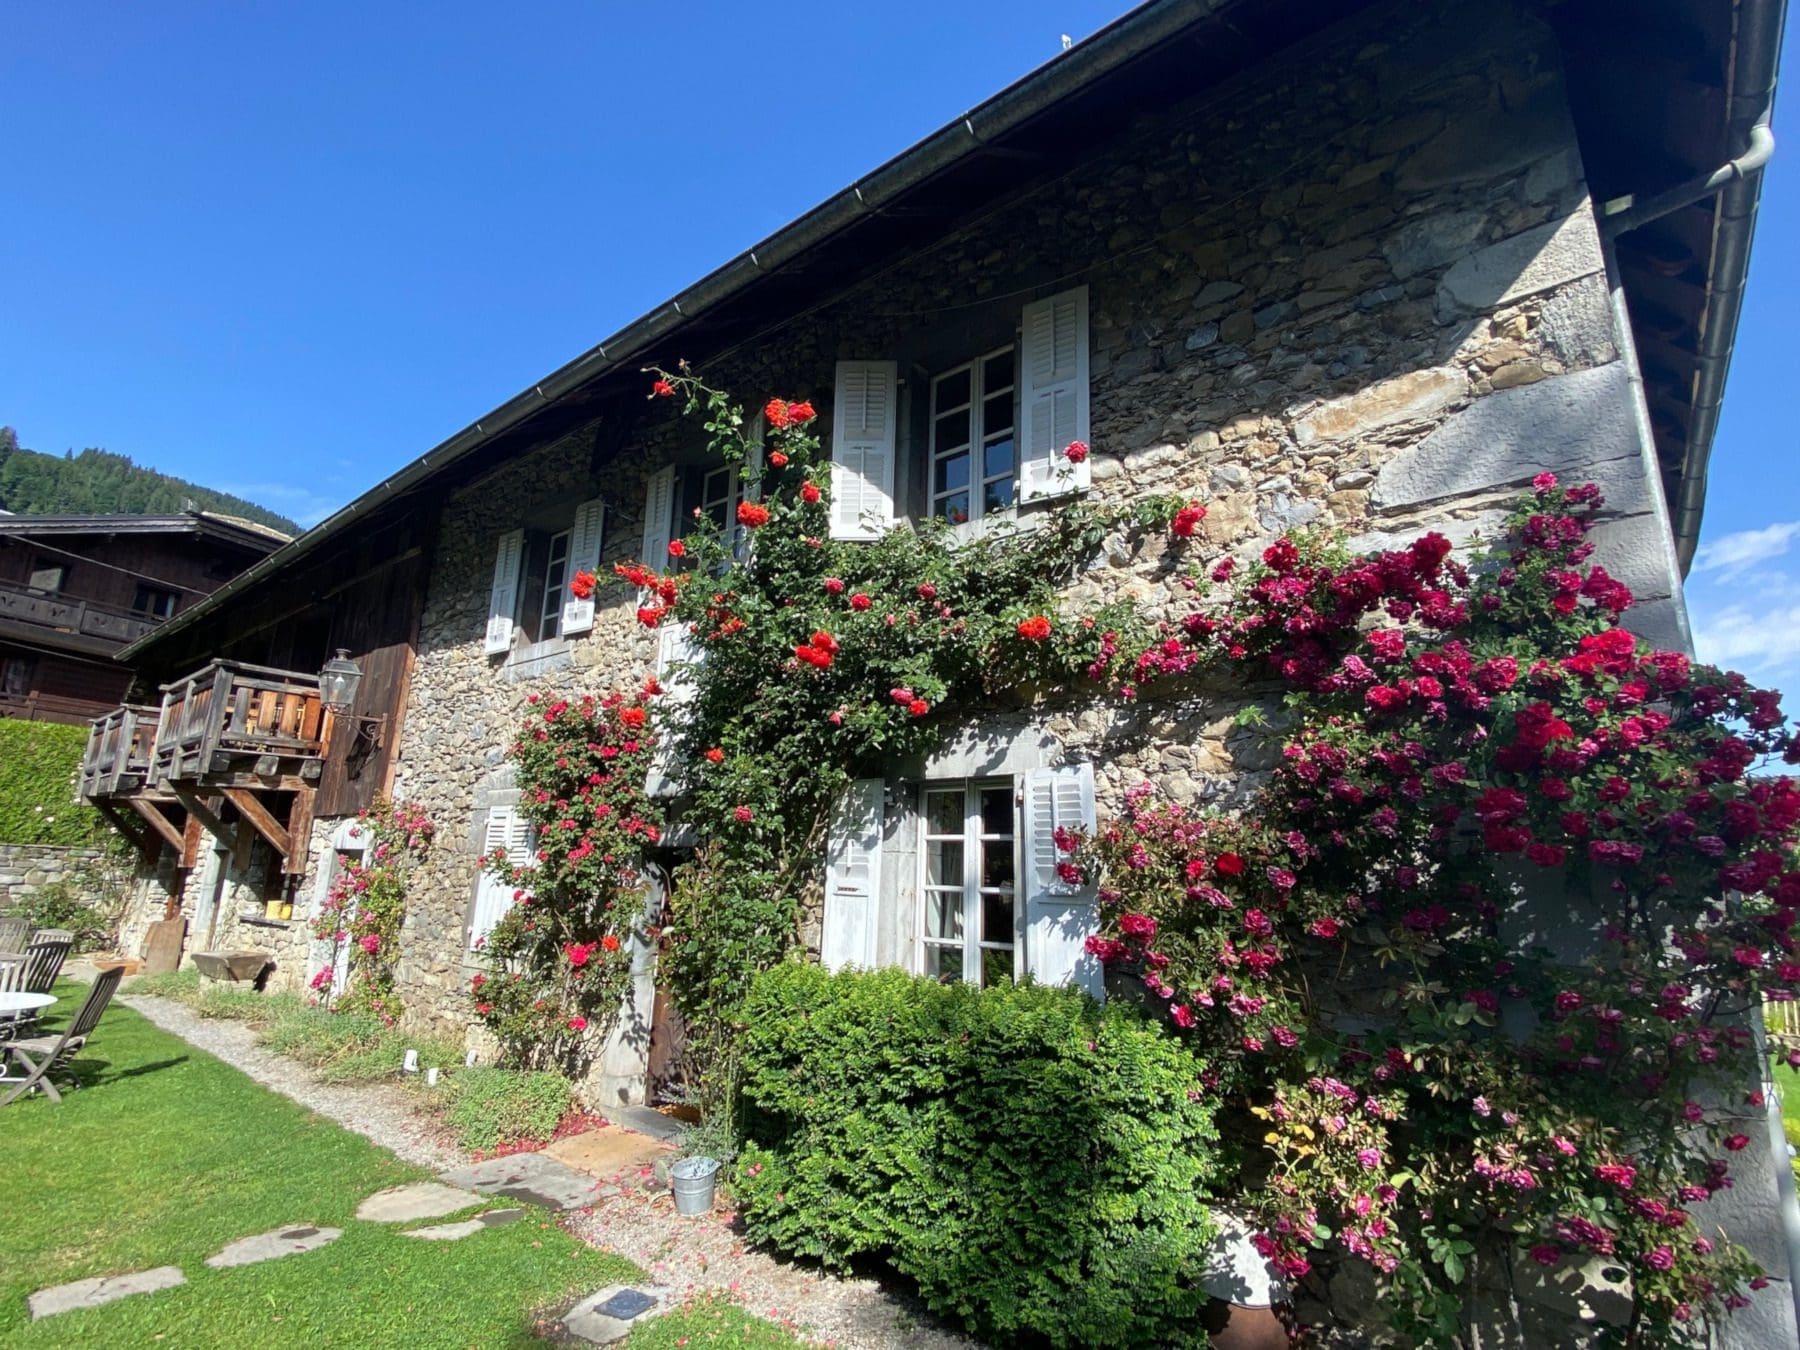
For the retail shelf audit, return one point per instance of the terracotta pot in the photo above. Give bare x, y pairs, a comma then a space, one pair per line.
1232, 1326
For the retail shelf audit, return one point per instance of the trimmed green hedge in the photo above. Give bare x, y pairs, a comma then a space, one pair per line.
38, 761
1034, 1161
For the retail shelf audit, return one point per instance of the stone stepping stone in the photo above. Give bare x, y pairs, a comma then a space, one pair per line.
450, 1232
608, 1315
416, 1200
101, 1289
534, 1177
272, 1246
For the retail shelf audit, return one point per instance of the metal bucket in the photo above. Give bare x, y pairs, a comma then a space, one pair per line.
692, 1180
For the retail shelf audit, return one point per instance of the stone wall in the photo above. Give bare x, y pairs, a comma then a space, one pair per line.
26, 869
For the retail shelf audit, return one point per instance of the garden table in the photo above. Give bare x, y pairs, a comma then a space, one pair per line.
20, 1007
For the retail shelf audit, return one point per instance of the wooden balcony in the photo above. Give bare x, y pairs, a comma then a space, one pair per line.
240, 726
117, 760
90, 624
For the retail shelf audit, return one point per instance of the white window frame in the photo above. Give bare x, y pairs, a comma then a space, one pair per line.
980, 438
556, 581
972, 838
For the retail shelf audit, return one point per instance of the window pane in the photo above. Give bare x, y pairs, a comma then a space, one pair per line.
951, 391
998, 495
997, 373
952, 431
997, 863
944, 814
996, 965
951, 473
944, 964
996, 918
997, 414
997, 459
997, 810
943, 864
944, 915
955, 509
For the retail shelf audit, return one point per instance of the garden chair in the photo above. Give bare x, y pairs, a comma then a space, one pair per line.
54, 935
40, 1056
13, 933
14, 966
47, 956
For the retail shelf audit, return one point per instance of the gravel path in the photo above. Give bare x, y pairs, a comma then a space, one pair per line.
708, 1254
380, 1112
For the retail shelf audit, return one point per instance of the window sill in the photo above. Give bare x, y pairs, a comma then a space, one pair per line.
260, 922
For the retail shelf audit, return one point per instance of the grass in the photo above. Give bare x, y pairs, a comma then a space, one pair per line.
710, 1320
165, 1154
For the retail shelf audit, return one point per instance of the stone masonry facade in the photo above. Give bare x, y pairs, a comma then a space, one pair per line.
26, 869
1361, 289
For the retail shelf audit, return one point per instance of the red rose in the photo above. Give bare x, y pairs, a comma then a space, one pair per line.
1187, 520
927, 591
1228, 865
578, 953
651, 615
799, 414
860, 601
752, 514
610, 942
824, 641
775, 412
716, 755
578, 1024
632, 717
1737, 1142
777, 460
834, 585
918, 707
677, 548
809, 493
743, 815
1035, 629
1075, 451
661, 389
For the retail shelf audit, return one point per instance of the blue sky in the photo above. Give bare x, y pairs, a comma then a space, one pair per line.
284, 249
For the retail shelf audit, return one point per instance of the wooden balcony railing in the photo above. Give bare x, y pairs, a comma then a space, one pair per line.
235, 725
69, 614
117, 759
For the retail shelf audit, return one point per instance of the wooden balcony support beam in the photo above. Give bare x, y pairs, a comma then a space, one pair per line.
153, 816
260, 818
299, 829
190, 843
203, 812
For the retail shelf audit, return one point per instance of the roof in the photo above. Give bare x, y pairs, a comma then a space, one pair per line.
1158, 50
231, 529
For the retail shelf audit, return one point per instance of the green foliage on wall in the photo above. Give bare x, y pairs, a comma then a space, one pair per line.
37, 785
1033, 1160
98, 482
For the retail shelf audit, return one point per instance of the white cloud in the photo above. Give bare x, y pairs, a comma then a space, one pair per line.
1732, 554
303, 504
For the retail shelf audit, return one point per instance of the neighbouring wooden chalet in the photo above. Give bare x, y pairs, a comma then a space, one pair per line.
75, 590
1370, 266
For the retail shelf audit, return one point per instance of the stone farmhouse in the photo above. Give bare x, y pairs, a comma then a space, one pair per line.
1369, 266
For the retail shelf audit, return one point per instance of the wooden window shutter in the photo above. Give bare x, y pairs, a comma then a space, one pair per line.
1053, 394
1059, 918
863, 424
659, 517
585, 541
678, 652
503, 598
853, 877
507, 829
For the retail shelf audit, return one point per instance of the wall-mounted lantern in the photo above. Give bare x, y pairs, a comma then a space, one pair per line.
339, 681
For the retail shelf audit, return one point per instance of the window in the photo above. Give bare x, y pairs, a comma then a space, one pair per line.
48, 576
974, 457
15, 675
546, 583
969, 863
154, 601
494, 896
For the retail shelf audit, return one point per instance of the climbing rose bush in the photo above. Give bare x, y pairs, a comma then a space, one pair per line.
557, 965
365, 906
1475, 764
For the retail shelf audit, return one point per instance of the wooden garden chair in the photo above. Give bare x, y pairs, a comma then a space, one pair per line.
54, 935
47, 957
14, 933
38, 1057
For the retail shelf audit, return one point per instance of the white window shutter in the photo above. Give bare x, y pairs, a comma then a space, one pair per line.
584, 556
507, 829
1059, 918
1053, 394
659, 517
853, 877
863, 424
503, 599
678, 652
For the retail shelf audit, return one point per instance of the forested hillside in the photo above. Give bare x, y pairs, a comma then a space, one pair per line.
98, 482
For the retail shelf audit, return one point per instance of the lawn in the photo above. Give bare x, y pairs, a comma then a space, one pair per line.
165, 1154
